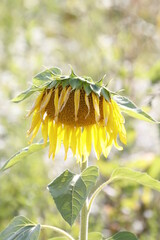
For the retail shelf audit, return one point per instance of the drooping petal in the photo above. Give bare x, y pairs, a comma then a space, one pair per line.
51, 136
76, 102
35, 131
95, 100
88, 105
73, 142
56, 97
44, 129
106, 111
62, 98
66, 141
60, 136
45, 100
35, 121
79, 144
88, 139
36, 104
97, 146
66, 97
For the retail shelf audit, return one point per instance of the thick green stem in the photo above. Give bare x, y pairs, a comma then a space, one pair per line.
84, 213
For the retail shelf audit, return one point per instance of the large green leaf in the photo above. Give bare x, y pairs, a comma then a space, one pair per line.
46, 76
136, 176
20, 228
27, 93
95, 236
22, 154
70, 191
123, 173
123, 236
131, 109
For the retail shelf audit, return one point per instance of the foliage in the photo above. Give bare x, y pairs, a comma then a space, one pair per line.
119, 40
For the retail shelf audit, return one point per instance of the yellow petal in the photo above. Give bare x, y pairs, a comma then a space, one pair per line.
88, 105
60, 135
87, 140
96, 106
95, 136
35, 121
52, 128
73, 141
67, 94
76, 102
61, 98
35, 131
36, 104
79, 144
45, 100
66, 141
56, 97
44, 129
106, 111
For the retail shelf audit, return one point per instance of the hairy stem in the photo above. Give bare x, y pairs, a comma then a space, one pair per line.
84, 212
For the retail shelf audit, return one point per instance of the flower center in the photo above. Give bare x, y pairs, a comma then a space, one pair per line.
85, 116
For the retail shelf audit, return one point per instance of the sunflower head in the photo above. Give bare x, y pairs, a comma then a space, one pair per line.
76, 111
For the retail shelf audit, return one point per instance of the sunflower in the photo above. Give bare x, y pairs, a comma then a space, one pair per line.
76, 111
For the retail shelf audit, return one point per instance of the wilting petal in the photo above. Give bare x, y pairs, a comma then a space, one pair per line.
88, 105
44, 129
35, 121
106, 111
36, 104
66, 141
73, 142
67, 94
76, 102
96, 106
45, 100
56, 97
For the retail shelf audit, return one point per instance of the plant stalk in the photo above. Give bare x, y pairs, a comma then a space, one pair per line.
84, 212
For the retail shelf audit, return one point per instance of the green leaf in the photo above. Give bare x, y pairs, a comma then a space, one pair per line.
27, 93
131, 109
136, 176
70, 191
123, 236
22, 154
22, 229
46, 76
95, 236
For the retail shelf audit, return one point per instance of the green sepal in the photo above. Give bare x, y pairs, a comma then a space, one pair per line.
75, 83
87, 88
106, 94
127, 106
70, 191
96, 89
21, 228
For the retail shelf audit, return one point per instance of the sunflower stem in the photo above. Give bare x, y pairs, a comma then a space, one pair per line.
84, 212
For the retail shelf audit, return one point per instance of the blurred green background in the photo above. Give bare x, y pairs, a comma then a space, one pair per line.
117, 38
